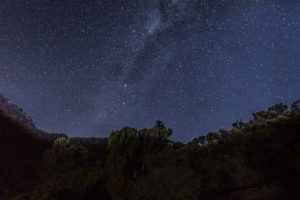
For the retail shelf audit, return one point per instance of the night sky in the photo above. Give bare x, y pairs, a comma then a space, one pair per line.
86, 68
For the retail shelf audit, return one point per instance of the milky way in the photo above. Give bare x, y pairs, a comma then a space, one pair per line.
86, 68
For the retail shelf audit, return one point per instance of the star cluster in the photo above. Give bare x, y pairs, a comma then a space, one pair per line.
86, 68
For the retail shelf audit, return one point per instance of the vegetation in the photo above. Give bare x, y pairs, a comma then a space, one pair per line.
259, 159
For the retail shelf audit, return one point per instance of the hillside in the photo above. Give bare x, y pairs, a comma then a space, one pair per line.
259, 159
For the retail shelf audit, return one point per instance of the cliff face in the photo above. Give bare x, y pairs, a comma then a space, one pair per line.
19, 117
15, 113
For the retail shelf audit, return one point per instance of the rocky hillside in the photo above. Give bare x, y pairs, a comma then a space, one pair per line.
16, 114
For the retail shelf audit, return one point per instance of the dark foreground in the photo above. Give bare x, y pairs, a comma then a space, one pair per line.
255, 160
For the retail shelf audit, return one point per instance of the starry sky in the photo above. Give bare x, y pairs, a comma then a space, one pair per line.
86, 68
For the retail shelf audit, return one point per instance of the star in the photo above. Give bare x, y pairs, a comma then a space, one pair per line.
91, 68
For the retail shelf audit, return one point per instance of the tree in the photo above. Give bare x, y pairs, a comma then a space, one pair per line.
295, 107
272, 112
63, 170
201, 140
259, 116
159, 124
278, 109
212, 138
238, 124
169, 176
127, 149
159, 130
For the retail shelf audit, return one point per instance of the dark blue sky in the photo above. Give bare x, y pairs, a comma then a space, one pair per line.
86, 68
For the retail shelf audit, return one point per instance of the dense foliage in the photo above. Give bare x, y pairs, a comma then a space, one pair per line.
255, 160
